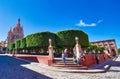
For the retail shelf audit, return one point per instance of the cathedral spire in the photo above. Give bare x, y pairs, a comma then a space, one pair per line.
10, 29
18, 20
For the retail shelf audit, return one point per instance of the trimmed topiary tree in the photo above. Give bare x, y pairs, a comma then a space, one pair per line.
11, 47
17, 44
40, 40
68, 38
22, 43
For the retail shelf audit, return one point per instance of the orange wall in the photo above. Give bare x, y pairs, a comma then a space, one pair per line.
34, 58
90, 59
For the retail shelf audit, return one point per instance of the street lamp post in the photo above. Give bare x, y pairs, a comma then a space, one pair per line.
76, 38
50, 52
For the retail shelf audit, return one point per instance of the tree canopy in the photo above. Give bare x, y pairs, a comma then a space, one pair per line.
119, 50
68, 37
60, 40
40, 39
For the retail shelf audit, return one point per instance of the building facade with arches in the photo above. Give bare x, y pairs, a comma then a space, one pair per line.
110, 46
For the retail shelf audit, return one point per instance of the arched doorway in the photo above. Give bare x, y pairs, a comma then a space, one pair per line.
113, 52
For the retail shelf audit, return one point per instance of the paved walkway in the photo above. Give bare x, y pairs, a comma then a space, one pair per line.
11, 68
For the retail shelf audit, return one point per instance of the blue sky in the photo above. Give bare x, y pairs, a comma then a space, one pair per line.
100, 19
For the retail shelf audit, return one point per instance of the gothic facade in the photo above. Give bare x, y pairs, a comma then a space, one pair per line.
15, 33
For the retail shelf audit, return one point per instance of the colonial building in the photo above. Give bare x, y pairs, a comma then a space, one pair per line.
1, 46
15, 33
110, 46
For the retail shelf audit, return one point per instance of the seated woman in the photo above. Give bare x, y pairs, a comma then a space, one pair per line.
82, 57
79, 61
74, 60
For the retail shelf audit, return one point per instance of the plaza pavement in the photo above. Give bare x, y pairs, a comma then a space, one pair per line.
18, 69
112, 73
11, 68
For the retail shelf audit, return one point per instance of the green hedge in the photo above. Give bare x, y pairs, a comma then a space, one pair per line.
11, 46
40, 39
119, 51
68, 37
17, 44
60, 39
95, 47
23, 43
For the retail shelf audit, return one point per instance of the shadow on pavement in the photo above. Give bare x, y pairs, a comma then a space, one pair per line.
10, 68
116, 67
101, 65
116, 63
114, 70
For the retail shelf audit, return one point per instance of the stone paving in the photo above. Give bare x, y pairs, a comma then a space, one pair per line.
113, 73
11, 68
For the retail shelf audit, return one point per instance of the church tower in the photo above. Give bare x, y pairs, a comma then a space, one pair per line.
15, 33
10, 36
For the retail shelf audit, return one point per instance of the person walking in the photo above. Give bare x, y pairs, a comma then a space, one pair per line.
97, 58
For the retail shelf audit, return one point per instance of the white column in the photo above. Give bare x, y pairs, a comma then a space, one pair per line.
50, 50
78, 48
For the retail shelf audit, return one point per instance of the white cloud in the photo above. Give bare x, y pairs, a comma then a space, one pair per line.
81, 23
99, 21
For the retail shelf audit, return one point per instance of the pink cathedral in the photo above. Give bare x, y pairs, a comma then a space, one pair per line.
15, 33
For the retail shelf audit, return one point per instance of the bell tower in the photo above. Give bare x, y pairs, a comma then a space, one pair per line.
16, 32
